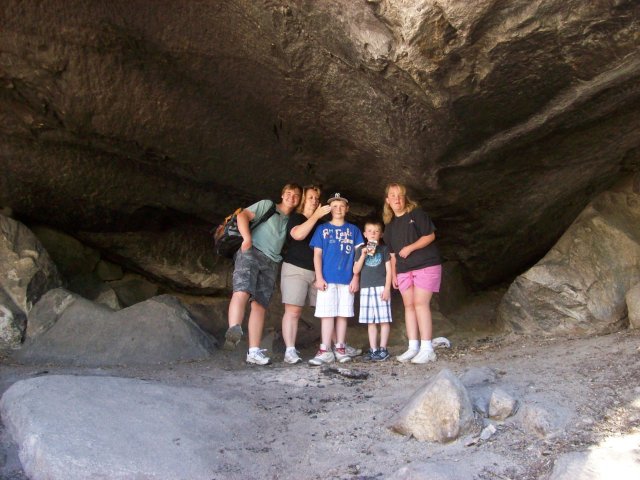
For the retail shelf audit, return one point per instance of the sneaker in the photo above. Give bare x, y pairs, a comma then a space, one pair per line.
406, 356
352, 351
381, 355
441, 342
323, 356
369, 355
341, 355
292, 357
232, 337
258, 357
424, 356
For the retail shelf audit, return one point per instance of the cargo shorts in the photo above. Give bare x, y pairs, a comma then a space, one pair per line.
256, 274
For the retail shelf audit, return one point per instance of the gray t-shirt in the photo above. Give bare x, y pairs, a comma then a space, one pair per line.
374, 271
269, 236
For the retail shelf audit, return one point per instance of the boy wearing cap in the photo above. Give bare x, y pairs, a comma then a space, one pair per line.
334, 244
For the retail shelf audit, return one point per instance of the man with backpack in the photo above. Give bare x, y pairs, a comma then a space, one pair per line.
256, 268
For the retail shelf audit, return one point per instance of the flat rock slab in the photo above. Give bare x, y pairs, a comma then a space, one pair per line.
617, 457
79, 427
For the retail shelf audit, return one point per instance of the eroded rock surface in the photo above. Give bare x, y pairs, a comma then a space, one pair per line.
579, 287
70, 330
26, 273
439, 411
79, 427
503, 118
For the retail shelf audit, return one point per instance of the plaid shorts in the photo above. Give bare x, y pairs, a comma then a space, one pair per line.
372, 308
256, 274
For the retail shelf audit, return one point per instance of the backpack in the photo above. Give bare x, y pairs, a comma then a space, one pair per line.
227, 237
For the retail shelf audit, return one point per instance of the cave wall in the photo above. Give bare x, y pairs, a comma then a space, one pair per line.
504, 118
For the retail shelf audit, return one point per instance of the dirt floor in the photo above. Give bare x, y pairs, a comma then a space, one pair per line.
315, 424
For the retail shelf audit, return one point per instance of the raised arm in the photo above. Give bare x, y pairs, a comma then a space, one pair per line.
359, 263
300, 232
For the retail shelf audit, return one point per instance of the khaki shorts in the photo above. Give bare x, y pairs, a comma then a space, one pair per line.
296, 285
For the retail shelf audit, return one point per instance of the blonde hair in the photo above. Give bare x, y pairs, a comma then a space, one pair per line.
315, 188
387, 212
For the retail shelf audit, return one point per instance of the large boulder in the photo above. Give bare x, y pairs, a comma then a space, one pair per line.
70, 255
633, 306
439, 411
11, 330
579, 287
77, 428
68, 329
615, 457
26, 273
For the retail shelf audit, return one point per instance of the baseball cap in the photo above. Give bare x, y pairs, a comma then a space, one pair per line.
336, 196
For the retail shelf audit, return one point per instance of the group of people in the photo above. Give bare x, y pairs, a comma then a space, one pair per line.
325, 264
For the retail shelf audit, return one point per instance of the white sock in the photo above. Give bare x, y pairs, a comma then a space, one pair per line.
254, 350
426, 345
291, 349
414, 344
323, 347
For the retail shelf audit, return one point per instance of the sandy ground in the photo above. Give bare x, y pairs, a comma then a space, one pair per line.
313, 424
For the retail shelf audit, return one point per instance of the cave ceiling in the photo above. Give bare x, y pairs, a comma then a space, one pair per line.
503, 118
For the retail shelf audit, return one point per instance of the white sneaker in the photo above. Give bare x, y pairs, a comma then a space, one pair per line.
258, 357
322, 357
406, 356
424, 356
341, 355
352, 351
292, 357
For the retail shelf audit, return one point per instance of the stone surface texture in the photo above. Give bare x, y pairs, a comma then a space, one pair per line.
117, 428
503, 118
26, 273
633, 306
70, 330
501, 404
439, 411
616, 457
579, 287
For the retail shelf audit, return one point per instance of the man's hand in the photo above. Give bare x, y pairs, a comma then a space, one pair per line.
246, 245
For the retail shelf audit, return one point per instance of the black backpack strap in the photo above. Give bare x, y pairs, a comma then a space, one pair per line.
267, 215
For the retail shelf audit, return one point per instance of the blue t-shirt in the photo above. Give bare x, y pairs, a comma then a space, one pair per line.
338, 244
